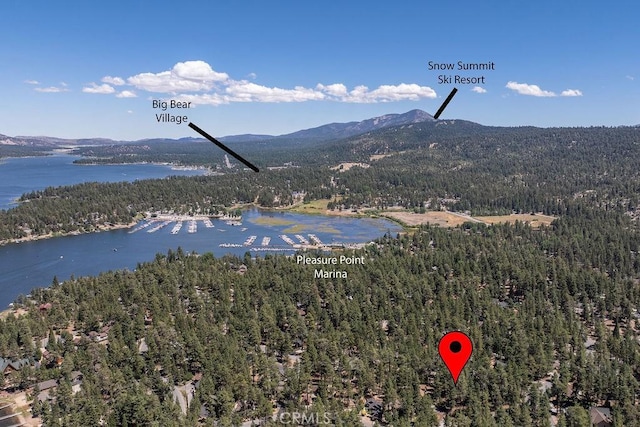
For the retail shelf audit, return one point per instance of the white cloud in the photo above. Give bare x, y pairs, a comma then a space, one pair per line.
386, 93
630, 77
126, 94
32, 82
198, 70
130, 111
189, 76
336, 89
252, 76
527, 89
50, 89
571, 92
478, 89
116, 81
101, 89
244, 91
204, 99
197, 82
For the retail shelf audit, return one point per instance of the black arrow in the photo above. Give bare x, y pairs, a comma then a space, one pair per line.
222, 146
445, 103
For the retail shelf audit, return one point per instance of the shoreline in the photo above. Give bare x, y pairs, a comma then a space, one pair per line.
70, 233
173, 166
292, 209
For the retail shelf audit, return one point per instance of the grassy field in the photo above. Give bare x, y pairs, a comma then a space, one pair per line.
443, 219
448, 219
533, 220
318, 207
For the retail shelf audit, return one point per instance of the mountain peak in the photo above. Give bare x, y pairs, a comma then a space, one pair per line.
346, 130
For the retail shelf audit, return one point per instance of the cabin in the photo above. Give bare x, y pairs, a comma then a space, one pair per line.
44, 390
8, 366
600, 416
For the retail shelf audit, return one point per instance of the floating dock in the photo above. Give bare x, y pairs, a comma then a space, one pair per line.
140, 227
266, 240
158, 226
302, 239
250, 240
207, 223
315, 239
270, 249
193, 226
176, 228
287, 239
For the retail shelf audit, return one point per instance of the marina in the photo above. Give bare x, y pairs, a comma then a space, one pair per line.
31, 264
193, 227
176, 228
140, 227
302, 239
287, 239
315, 239
158, 226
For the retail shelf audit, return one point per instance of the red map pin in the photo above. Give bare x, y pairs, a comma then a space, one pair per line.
455, 349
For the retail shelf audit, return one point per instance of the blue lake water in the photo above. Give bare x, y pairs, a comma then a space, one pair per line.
24, 174
24, 266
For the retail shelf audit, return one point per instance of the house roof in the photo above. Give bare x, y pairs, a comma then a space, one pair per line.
13, 364
46, 385
600, 414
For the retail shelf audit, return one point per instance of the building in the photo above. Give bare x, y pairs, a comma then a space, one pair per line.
600, 417
7, 365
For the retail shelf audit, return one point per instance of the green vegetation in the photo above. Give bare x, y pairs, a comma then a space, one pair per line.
552, 312
530, 300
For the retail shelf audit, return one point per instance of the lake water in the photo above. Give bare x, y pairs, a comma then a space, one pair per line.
24, 266
24, 174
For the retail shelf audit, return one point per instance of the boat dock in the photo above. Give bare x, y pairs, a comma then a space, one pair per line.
315, 239
140, 227
158, 226
250, 240
302, 239
287, 239
266, 240
176, 228
270, 249
193, 226
207, 223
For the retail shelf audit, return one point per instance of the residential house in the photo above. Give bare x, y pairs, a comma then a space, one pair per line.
600, 416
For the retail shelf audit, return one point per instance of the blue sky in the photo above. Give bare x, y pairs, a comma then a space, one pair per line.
91, 69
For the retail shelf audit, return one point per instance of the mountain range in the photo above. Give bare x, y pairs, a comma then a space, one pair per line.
343, 130
320, 133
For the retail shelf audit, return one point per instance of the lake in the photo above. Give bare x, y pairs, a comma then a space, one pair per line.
24, 266
19, 175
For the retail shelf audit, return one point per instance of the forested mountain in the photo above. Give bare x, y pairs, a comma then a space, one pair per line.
345, 130
457, 164
552, 312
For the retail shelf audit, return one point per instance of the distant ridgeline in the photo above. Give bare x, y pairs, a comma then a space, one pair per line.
457, 165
